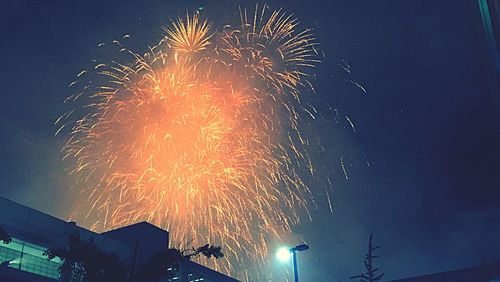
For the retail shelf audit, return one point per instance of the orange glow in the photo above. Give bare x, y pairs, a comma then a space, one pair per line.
199, 136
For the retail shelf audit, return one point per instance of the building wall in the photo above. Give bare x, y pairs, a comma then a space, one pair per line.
482, 273
33, 232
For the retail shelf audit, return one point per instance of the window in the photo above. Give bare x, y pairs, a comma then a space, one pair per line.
29, 257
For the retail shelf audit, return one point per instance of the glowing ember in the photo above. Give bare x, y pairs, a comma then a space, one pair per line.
200, 135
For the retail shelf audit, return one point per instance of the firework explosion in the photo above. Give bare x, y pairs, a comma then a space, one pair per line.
200, 135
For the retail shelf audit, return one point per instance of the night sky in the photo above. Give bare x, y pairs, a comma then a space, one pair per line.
422, 165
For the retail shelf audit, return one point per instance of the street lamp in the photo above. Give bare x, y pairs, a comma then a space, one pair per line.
284, 253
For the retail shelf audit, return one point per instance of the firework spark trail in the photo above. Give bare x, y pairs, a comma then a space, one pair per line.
200, 135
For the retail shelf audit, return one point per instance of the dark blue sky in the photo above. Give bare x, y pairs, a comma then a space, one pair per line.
426, 125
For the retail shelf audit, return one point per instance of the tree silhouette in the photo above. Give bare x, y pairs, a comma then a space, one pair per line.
207, 250
370, 275
5, 236
166, 264
84, 261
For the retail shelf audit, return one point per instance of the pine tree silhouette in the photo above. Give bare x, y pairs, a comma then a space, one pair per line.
370, 274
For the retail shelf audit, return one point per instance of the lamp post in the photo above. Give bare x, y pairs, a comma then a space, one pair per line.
284, 254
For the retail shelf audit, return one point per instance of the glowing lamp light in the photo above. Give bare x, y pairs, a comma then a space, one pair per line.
283, 254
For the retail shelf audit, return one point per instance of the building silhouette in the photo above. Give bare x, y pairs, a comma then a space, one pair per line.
482, 273
33, 232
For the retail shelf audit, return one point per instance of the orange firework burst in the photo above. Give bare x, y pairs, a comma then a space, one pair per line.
200, 135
